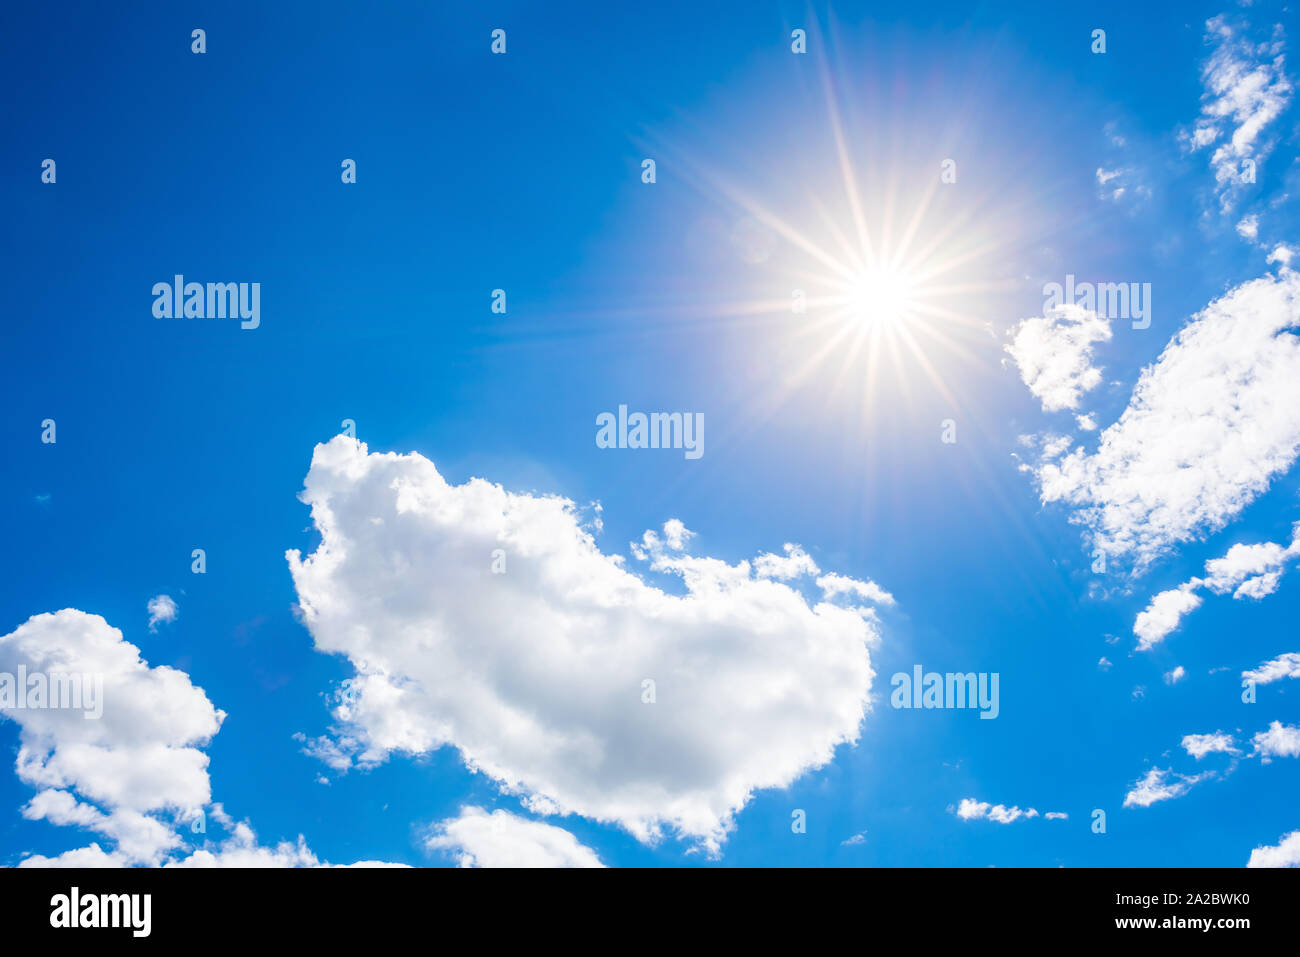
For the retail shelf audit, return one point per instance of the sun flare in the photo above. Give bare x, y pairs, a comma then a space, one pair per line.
861, 274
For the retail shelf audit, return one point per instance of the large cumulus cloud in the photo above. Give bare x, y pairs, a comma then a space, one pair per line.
538, 674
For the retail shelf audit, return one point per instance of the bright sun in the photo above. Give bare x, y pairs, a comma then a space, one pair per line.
880, 297
870, 286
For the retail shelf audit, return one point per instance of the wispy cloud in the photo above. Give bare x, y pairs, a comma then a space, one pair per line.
971, 810
1161, 784
1208, 427
1246, 89
1248, 571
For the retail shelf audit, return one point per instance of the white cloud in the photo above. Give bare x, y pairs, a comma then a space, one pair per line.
140, 761
1243, 563
972, 810
1115, 184
536, 675
834, 585
1248, 227
1175, 676
241, 849
1210, 424
1054, 354
1199, 745
161, 611
677, 535
137, 836
1279, 741
793, 564
1246, 88
1283, 666
859, 838
1281, 254
1248, 571
143, 753
1259, 587
1285, 854
336, 753
1161, 785
1056, 816
1163, 614
90, 856
1055, 445
501, 839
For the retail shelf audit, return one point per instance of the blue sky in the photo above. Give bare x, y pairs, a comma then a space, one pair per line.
523, 172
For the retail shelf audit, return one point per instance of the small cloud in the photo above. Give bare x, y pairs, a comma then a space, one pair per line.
1254, 571
336, 754
1115, 184
1161, 784
162, 610
796, 562
859, 838
1281, 254
1283, 666
833, 585
1164, 613
1279, 741
1175, 676
1199, 745
1054, 354
677, 534
478, 838
1104, 663
972, 810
